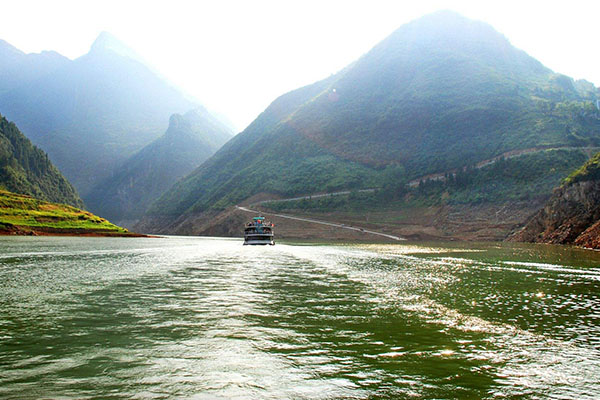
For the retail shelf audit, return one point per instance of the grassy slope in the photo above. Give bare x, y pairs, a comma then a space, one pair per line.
24, 211
587, 172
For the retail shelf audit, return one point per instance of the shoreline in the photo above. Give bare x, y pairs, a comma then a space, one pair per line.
15, 230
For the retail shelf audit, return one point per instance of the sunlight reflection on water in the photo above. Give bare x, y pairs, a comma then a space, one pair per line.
210, 318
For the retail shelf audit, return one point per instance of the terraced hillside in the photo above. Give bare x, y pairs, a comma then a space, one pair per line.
25, 215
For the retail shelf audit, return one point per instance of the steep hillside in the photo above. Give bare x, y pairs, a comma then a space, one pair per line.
572, 215
244, 149
439, 94
93, 113
190, 139
26, 169
25, 215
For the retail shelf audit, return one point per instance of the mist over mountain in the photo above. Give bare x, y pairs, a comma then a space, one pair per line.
190, 139
106, 42
25, 169
92, 113
17, 67
439, 94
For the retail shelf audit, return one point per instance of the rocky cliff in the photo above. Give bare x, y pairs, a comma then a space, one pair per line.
572, 215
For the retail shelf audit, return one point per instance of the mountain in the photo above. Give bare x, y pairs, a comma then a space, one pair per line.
441, 93
190, 139
27, 170
17, 67
93, 113
572, 214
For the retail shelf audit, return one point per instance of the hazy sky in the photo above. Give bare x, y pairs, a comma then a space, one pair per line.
238, 56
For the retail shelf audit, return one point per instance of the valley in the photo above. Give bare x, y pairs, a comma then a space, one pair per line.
299, 200
429, 135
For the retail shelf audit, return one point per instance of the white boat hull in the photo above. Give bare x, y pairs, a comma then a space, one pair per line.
259, 242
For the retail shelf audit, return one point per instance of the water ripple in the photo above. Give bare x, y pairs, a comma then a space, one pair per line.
209, 318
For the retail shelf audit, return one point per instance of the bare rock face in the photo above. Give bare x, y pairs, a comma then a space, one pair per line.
590, 238
571, 216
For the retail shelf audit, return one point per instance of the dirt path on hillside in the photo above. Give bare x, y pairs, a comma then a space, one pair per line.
314, 221
438, 176
441, 176
315, 196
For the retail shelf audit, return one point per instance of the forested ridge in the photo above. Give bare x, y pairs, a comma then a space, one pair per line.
26, 169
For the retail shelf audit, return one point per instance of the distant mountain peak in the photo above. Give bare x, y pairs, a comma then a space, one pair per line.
7, 48
108, 42
446, 27
183, 123
177, 121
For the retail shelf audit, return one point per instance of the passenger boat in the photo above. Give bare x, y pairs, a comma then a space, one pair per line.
258, 232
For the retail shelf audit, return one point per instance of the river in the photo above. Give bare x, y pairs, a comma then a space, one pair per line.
206, 318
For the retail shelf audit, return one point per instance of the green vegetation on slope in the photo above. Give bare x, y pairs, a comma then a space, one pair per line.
220, 174
26, 169
587, 172
440, 93
527, 177
25, 211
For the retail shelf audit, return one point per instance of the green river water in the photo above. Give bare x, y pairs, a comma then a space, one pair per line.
205, 318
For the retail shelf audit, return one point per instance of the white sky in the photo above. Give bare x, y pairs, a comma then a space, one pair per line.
238, 56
